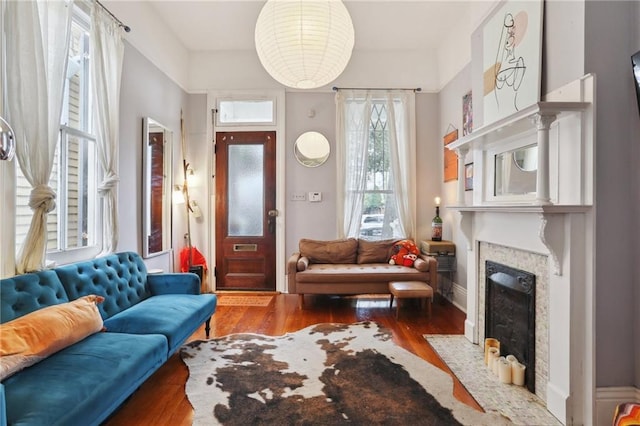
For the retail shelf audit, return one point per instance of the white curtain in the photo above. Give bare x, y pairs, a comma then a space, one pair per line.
37, 43
353, 115
107, 52
401, 113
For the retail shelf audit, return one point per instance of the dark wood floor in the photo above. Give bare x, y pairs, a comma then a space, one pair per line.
161, 399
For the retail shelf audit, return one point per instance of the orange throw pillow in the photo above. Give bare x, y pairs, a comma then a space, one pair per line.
33, 337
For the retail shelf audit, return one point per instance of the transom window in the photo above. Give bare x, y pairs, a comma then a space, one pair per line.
233, 112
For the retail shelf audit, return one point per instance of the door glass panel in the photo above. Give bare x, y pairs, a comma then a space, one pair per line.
246, 190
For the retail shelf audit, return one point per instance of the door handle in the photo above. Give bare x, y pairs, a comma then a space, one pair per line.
271, 221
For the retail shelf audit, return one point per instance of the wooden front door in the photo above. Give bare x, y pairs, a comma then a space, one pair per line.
246, 211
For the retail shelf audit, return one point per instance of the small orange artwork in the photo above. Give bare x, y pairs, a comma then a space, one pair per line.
450, 157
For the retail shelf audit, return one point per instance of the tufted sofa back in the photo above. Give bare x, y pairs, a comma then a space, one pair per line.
26, 293
121, 278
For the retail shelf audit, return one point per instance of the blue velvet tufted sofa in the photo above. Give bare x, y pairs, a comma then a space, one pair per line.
147, 319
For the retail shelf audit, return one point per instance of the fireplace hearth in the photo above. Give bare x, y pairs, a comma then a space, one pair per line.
510, 314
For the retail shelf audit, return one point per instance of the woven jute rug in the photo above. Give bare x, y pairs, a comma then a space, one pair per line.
244, 300
323, 374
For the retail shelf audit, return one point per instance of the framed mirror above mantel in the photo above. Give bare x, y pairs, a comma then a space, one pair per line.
535, 156
156, 188
552, 142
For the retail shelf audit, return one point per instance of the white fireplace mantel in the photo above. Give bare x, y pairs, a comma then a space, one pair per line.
514, 124
550, 217
556, 221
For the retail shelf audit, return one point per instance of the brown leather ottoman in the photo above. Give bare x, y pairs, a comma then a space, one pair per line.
410, 290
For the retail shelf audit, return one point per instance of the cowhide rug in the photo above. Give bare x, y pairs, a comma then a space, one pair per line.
323, 374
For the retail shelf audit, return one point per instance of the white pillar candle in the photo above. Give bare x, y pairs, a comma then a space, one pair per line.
489, 343
494, 354
504, 370
511, 359
517, 373
496, 365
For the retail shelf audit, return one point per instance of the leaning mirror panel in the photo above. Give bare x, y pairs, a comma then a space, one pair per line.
516, 171
156, 188
311, 149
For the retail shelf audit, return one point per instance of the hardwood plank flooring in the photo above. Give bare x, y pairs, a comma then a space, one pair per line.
161, 400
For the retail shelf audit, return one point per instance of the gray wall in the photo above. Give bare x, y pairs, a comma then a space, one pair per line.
304, 219
145, 92
319, 220
610, 39
450, 105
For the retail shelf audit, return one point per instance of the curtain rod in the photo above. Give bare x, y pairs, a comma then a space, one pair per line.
125, 27
335, 89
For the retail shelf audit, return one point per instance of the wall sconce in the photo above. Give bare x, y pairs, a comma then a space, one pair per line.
7, 141
195, 209
178, 195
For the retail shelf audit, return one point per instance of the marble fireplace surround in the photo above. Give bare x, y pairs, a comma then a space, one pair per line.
565, 379
549, 233
529, 262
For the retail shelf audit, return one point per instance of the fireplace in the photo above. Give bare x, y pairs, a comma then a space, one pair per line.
510, 314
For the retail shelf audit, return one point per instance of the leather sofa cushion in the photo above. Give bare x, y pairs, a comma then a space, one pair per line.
374, 251
335, 251
372, 272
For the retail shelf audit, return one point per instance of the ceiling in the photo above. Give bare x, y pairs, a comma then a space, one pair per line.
424, 43
214, 25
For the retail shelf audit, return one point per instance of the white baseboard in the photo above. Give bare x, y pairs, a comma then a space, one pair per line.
459, 297
608, 398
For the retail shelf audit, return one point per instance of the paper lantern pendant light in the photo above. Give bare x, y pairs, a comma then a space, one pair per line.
304, 44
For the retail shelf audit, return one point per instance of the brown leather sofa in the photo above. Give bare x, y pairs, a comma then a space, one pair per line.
350, 267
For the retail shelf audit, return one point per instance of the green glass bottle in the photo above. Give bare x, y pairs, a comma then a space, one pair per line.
436, 226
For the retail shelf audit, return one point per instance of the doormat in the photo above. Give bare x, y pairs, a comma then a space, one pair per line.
244, 300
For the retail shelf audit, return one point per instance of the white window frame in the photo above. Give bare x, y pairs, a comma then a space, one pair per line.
62, 255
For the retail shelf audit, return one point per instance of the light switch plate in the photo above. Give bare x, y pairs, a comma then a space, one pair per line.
299, 197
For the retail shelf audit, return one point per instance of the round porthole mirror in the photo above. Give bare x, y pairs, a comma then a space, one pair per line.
311, 149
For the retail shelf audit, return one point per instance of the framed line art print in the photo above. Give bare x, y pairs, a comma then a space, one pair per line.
511, 58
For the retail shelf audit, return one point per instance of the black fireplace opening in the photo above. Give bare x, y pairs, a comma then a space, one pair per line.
510, 314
